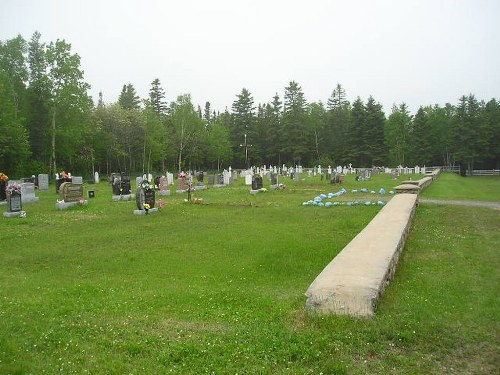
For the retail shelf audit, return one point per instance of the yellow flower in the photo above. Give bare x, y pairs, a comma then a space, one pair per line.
146, 206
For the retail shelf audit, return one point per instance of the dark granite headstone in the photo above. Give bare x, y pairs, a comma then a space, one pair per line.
3, 194
144, 195
257, 182
274, 179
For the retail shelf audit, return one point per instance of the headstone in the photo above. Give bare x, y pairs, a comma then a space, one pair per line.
43, 181
248, 179
163, 186
257, 182
183, 184
296, 175
14, 203
77, 180
28, 193
60, 181
211, 179
220, 179
96, 177
274, 180
71, 192
226, 176
145, 199
138, 181
3, 193
170, 178
394, 174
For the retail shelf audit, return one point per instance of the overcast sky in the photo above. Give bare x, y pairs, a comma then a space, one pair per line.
420, 52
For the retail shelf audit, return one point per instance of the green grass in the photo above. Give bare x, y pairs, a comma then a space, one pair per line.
219, 287
452, 186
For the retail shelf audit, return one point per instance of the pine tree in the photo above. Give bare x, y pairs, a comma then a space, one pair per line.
157, 97
298, 139
242, 119
128, 98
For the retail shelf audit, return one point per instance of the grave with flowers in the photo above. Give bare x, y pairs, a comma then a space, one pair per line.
14, 201
145, 199
122, 190
70, 194
257, 184
184, 182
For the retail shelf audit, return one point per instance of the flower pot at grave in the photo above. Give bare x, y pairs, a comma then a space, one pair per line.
3, 194
14, 202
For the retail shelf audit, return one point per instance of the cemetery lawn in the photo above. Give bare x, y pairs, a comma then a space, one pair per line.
219, 287
452, 186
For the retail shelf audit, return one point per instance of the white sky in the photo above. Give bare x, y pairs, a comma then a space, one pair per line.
419, 52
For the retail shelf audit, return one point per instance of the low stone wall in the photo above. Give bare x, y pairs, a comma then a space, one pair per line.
354, 280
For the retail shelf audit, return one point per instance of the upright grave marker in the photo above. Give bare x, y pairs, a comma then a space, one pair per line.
14, 201
28, 193
70, 194
43, 181
145, 199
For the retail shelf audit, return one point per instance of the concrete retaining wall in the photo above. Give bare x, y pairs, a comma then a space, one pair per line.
354, 280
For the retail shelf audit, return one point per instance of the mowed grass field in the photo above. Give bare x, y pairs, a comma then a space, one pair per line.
219, 287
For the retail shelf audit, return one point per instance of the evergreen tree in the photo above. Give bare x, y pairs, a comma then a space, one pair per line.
242, 118
14, 146
206, 114
38, 99
466, 132
157, 97
356, 140
336, 126
128, 98
374, 133
420, 139
397, 134
297, 137
490, 141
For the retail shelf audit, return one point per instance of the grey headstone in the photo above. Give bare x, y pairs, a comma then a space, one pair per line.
43, 181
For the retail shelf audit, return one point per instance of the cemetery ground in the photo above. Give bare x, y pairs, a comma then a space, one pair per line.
219, 287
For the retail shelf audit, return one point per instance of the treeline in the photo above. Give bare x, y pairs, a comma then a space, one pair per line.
48, 123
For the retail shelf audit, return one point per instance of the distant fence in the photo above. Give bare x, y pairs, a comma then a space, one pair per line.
484, 172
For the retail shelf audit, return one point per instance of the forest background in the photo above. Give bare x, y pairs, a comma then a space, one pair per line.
49, 122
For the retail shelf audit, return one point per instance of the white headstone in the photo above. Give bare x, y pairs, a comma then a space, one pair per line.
138, 181
77, 179
150, 177
170, 178
226, 175
43, 181
248, 179
28, 192
96, 177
